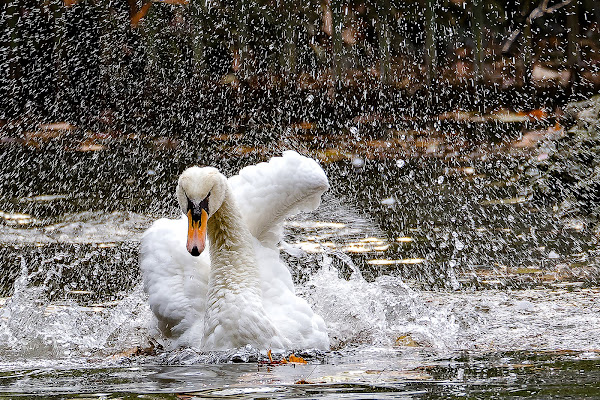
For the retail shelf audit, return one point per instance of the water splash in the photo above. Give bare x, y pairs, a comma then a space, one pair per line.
360, 312
34, 329
385, 312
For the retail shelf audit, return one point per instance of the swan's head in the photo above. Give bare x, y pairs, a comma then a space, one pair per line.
200, 192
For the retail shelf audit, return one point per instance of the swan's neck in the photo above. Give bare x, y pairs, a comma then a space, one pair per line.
234, 311
233, 261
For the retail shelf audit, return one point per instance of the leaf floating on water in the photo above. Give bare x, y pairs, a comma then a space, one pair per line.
140, 351
508, 117
291, 359
332, 155
137, 17
406, 341
535, 114
272, 361
50, 131
90, 145
304, 382
297, 360
305, 125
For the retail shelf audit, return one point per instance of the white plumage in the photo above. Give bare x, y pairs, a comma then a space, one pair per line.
242, 293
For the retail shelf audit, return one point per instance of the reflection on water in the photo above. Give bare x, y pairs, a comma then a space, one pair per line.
405, 374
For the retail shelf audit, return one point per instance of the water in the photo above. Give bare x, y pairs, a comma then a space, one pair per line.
435, 276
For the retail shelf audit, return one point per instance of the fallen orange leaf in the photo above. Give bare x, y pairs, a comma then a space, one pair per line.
90, 145
135, 20
534, 114
272, 361
407, 341
294, 359
556, 128
305, 125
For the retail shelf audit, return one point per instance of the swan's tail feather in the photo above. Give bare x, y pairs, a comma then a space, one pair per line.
270, 192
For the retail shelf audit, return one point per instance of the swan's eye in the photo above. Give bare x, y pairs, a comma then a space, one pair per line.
204, 204
196, 208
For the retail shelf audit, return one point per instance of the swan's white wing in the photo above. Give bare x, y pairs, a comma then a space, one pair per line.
291, 315
269, 192
176, 282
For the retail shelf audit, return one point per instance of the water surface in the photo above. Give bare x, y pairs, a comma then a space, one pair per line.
436, 276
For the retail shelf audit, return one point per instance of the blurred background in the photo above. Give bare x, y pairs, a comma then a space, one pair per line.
190, 69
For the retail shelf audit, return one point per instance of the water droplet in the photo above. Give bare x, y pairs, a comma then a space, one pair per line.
358, 162
388, 201
458, 244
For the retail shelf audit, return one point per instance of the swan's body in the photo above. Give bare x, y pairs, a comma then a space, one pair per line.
243, 293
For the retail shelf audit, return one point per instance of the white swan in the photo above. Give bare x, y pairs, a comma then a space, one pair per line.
242, 294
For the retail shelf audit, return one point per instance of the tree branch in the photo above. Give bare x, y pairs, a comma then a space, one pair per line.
537, 12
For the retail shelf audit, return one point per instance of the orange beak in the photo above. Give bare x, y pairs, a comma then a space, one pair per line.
196, 239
